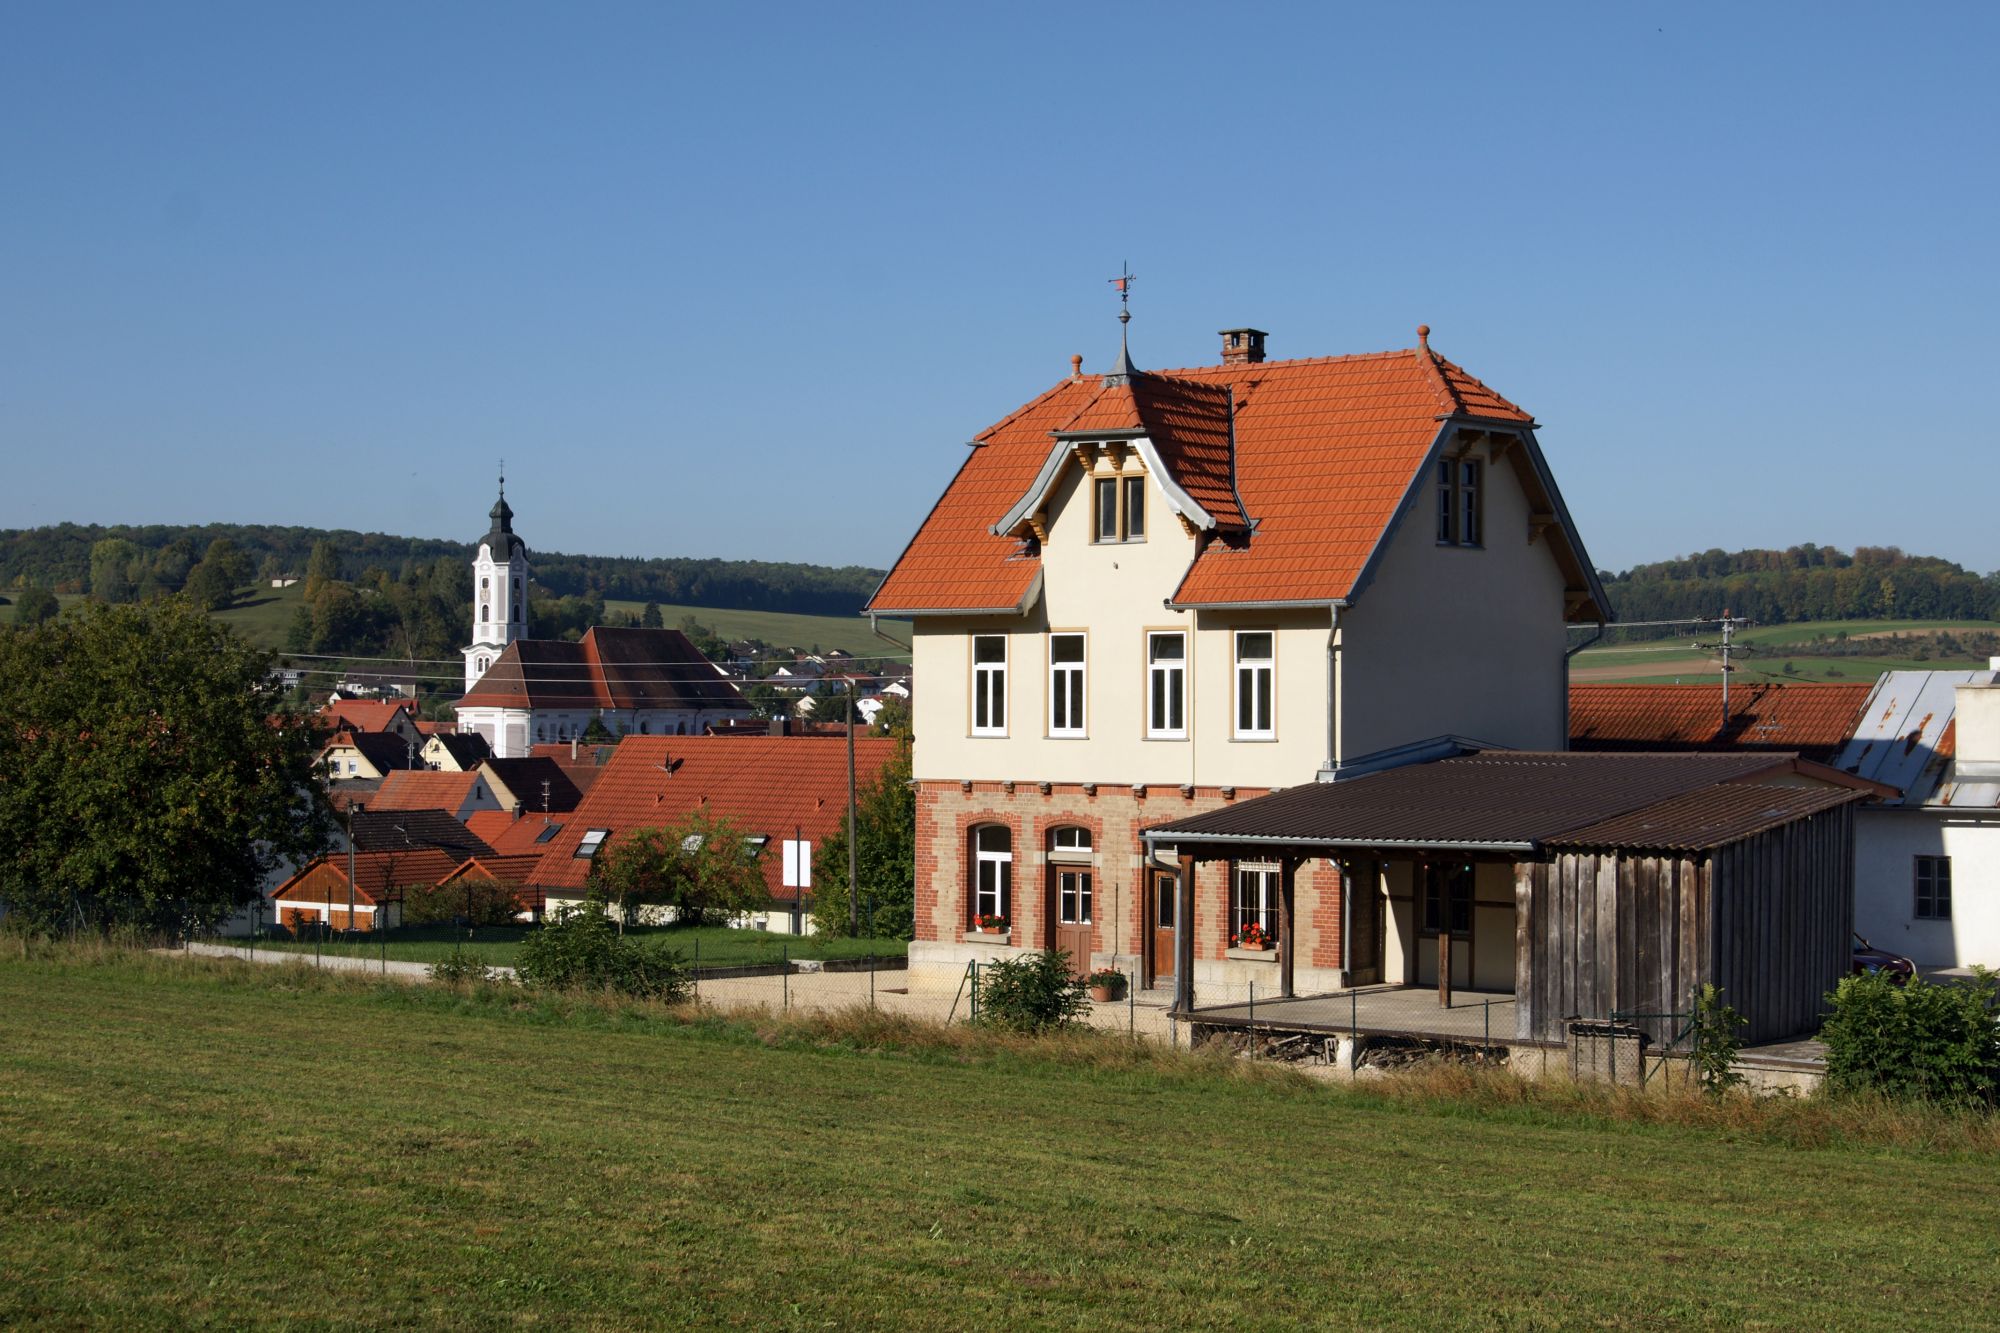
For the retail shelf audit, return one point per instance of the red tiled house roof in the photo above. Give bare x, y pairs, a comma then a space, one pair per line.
426, 789
377, 875
496, 869
777, 786
607, 668
1313, 457
365, 715
511, 835
1811, 720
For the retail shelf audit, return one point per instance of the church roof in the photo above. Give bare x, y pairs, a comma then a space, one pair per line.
608, 668
501, 537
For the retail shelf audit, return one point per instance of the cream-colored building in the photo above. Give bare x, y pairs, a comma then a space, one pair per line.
1147, 595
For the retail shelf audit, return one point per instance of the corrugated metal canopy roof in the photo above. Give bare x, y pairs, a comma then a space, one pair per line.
1498, 800
1900, 737
1713, 817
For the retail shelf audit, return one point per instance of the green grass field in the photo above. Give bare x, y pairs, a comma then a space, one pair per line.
849, 633
713, 946
209, 1144
1770, 648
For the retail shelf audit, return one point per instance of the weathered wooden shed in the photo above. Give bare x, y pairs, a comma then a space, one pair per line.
1747, 886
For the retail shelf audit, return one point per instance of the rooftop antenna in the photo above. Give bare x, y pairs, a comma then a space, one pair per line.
1123, 371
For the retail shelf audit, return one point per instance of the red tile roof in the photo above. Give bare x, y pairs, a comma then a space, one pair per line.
499, 869
608, 668
511, 836
770, 786
376, 875
366, 715
1324, 452
425, 789
1808, 719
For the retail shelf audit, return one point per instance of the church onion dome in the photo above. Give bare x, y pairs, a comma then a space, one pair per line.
501, 537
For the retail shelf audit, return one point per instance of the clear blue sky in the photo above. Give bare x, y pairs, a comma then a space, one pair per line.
739, 280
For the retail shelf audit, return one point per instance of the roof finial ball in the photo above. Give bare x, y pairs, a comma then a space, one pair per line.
1076, 365
1424, 336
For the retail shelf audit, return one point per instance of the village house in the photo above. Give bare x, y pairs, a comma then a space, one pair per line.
785, 793
1147, 595
456, 794
358, 716
1149, 601
365, 756
320, 894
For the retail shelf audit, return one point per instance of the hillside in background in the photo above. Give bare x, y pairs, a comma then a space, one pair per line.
1804, 583
60, 558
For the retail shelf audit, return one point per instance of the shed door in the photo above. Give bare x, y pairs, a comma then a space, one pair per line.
1073, 915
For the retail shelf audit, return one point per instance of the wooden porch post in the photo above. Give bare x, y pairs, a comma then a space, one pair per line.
1184, 937
1288, 870
1444, 966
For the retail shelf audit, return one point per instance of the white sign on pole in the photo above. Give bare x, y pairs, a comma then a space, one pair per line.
798, 864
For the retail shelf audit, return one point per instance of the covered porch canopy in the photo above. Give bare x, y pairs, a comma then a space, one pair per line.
1636, 877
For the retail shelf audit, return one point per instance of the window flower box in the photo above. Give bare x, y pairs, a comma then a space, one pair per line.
989, 936
1268, 955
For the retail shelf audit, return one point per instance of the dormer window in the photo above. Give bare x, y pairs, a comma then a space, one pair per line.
1120, 504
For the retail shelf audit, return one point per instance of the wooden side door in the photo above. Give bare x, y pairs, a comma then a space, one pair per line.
1160, 923
1075, 894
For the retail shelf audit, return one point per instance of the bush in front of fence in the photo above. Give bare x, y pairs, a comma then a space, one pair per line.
1715, 1042
1917, 1041
460, 968
1035, 992
579, 949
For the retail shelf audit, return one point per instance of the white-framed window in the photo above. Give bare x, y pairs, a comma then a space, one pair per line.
1255, 671
1070, 838
1461, 519
1933, 884
992, 873
1074, 893
592, 840
1066, 684
485, 613
1253, 906
1118, 506
989, 685
1166, 685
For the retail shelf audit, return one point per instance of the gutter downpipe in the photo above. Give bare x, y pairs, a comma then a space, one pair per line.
1332, 753
1569, 653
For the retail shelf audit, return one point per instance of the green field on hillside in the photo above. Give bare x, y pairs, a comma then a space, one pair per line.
1770, 647
189, 1143
785, 629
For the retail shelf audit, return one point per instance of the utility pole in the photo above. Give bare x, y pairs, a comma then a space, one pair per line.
1727, 648
352, 806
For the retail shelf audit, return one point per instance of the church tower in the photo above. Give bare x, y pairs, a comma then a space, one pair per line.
499, 591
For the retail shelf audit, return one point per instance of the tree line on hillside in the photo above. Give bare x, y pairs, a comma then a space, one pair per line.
65, 557
1804, 582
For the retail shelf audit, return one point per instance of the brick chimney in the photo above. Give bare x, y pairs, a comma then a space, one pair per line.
1242, 347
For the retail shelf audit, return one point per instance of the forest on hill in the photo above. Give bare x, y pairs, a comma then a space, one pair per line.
1803, 583
68, 558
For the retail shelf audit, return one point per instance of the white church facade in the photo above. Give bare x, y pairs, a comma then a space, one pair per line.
521, 692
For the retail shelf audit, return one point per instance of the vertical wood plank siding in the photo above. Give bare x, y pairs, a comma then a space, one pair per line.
1767, 918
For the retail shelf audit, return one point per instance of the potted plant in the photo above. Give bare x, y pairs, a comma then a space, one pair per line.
1253, 936
986, 923
1106, 984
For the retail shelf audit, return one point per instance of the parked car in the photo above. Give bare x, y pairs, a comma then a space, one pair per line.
1868, 958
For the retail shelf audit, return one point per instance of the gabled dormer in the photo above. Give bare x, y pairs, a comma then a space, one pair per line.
1137, 426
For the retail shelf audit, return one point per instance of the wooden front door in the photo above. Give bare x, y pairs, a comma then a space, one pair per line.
1161, 932
1073, 916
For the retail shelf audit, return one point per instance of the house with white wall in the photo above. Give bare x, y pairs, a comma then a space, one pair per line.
1148, 595
1927, 864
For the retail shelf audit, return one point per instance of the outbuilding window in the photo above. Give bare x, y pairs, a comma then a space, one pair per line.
1933, 876
1448, 899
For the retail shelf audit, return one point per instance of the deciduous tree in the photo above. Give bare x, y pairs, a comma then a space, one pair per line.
700, 866
144, 779
885, 817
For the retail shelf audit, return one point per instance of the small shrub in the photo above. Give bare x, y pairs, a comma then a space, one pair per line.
460, 968
1716, 1041
1109, 978
1915, 1041
579, 949
1032, 993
